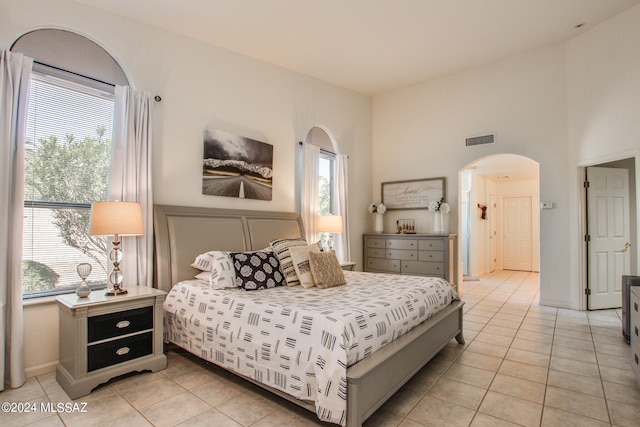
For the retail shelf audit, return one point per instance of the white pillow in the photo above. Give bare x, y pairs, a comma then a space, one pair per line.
282, 248
300, 258
223, 273
203, 275
203, 261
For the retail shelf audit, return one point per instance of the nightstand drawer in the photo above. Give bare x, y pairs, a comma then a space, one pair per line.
118, 351
120, 323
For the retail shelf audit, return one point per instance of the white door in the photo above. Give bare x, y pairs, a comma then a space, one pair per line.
516, 226
608, 231
493, 233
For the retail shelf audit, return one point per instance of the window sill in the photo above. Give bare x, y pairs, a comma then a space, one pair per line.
32, 302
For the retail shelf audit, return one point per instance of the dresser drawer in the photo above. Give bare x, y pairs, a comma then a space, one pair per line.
117, 351
432, 256
435, 269
120, 323
402, 254
431, 245
376, 253
402, 244
386, 265
375, 243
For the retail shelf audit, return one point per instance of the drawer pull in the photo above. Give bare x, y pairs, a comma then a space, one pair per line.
122, 351
635, 357
123, 324
636, 330
635, 306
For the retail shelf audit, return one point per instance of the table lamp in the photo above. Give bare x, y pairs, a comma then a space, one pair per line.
330, 224
117, 219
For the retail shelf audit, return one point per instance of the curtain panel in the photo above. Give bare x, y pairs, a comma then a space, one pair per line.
309, 190
15, 81
342, 246
130, 178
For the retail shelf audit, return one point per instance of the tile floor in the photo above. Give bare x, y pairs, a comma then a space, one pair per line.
523, 364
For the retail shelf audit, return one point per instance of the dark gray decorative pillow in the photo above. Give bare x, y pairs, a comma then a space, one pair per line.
257, 270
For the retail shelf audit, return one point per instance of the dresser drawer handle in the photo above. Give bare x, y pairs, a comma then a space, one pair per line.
635, 357
122, 351
636, 330
635, 306
123, 324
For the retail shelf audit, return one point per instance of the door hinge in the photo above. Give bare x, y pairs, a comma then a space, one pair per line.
586, 184
587, 291
587, 238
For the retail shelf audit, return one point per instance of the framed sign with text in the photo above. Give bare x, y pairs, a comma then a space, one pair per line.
413, 194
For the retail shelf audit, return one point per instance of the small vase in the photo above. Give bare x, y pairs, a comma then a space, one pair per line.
438, 222
378, 224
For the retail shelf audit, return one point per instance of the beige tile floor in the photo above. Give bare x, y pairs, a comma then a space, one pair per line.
523, 364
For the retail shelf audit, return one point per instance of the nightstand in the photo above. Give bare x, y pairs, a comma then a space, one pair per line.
102, 337
348, 266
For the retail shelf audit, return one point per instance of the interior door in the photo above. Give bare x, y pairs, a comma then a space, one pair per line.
608, 231
493, 233
517, 229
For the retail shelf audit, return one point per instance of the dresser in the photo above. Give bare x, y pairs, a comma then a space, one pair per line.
102, 337
414, 254
634, 330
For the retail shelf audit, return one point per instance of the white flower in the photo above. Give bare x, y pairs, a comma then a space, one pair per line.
377, 208
439, 205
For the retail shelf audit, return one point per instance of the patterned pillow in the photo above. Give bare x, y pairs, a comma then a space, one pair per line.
326, 269
300, 259
203, 261
257, 270
282, 248
223, 273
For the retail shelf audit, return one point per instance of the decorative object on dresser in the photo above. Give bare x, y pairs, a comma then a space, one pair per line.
84, 270
102, 337
634, 323
330, 224
117, 219
406, 226
439, 208
378, 209
414, 194
413, 254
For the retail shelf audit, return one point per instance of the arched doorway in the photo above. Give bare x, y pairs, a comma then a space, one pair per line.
499, 225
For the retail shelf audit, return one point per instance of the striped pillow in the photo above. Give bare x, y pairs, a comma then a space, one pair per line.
282, 249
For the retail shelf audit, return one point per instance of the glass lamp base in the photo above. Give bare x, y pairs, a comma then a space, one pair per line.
115, 291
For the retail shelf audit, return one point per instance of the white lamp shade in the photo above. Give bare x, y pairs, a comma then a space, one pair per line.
330, 224
121, 218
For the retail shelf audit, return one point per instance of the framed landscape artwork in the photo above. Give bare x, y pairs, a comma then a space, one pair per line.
414, 194
235, 166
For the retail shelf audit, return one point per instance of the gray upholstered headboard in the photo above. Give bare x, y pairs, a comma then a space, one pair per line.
182, 233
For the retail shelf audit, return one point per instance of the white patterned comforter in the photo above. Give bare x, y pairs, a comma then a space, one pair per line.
298, 340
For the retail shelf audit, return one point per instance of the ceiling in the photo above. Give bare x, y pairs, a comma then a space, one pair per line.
373, 46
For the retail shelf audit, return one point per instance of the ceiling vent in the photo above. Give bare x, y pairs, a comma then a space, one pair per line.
479, 140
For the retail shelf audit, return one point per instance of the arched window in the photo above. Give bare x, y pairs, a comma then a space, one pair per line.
68, 156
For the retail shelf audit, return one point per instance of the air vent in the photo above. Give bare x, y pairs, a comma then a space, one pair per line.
479, 140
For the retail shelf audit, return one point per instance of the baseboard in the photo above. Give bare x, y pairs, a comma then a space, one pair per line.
41, 369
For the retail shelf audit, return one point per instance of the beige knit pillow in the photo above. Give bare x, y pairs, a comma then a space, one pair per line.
326, 270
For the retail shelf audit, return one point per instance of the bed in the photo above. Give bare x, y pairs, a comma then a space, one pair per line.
182, 233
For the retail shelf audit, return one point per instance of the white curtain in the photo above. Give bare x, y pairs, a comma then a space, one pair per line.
130, 179
342, 245
15, 80
309, 190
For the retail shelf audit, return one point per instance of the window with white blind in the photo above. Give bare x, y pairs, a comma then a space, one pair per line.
68, 155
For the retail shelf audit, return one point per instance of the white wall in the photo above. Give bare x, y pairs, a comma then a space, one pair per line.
203, 86
419, 132
603, 99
